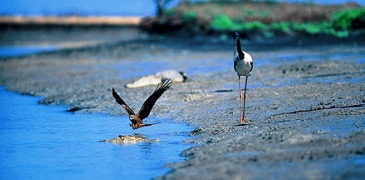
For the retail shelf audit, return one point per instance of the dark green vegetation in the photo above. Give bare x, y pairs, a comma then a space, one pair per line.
264, 19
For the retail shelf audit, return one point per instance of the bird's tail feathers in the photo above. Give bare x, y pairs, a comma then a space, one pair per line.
143, 125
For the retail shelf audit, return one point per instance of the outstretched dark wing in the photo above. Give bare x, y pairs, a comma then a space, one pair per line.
120, 101
150, 102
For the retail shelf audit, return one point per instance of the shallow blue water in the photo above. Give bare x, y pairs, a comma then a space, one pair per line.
9, 51
78, 7
42, 142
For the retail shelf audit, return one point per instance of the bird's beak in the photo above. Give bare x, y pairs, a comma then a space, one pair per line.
235, 35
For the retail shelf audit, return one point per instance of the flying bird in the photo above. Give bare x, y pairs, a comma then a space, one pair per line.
243, 65
146, 108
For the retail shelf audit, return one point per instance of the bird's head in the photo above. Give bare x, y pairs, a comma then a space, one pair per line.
131, 117
184, 75
235, 36
135, 124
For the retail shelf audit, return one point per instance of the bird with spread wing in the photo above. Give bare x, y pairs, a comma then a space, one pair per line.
146, 108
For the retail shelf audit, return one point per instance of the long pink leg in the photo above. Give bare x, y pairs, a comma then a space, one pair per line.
239, 84
244, 101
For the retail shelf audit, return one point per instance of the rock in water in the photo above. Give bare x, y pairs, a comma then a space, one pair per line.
130, 139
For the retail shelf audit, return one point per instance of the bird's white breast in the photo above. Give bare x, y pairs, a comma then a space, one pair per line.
243, 67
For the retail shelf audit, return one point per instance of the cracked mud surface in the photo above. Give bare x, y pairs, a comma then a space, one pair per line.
306, 104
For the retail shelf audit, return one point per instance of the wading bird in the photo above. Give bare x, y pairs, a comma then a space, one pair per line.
146, 108
243, 65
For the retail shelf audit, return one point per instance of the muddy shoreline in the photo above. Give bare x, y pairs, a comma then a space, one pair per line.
305, 101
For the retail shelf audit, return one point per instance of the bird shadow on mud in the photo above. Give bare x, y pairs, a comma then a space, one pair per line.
243, 124
304, 111
321, 108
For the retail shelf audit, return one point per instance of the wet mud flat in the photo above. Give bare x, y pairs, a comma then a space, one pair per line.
305, 103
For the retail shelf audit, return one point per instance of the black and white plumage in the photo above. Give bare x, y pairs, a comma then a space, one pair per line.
146, 108
243, 65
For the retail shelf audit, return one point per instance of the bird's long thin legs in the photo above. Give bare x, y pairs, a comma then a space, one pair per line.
244, 101
239, 84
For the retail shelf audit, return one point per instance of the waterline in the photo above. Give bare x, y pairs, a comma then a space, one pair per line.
41, 141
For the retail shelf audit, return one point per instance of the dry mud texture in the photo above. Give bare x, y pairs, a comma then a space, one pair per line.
305, 103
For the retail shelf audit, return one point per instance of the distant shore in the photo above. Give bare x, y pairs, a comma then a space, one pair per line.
71, 20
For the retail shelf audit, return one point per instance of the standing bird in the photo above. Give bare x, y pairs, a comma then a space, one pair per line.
243, 65
146, 108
